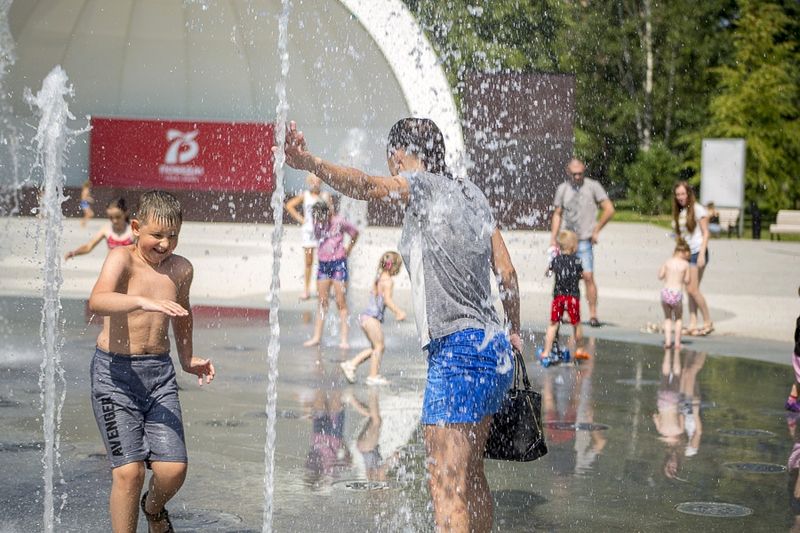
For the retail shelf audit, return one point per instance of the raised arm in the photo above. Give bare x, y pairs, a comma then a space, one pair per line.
509, 289
107, 300
348, 181
291, 208
88, 247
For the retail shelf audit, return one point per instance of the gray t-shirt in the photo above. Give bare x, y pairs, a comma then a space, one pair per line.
447, 248
579, 206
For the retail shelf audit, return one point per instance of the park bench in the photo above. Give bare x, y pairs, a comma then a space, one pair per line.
788, 222
729, 220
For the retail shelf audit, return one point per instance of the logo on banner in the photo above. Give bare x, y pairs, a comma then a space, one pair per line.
182, 149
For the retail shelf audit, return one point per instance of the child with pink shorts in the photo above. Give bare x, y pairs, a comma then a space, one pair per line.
330, 231
675, 273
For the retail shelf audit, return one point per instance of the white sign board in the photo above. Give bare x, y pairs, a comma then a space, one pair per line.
722, 171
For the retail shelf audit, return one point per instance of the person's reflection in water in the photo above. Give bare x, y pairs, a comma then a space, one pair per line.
567, 403
677, 419
793, 467
328, 456
369, 436
690, 401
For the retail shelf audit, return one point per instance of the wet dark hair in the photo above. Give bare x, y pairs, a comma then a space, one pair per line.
120, 204
320, 210
422, 138
159, 206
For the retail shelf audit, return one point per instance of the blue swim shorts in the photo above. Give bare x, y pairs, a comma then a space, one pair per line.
586, 255
467, 378
335, 270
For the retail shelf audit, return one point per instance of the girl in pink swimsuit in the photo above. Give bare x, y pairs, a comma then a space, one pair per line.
675, 273
117, 233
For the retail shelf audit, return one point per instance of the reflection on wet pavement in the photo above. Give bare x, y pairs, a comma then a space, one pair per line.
640, 439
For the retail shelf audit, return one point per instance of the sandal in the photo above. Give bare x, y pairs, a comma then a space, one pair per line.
709, 328
593, 322
157, 517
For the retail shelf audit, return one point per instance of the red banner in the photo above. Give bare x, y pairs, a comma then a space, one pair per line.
162, 154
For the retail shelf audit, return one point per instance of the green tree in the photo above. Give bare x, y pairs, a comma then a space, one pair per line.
758, 101
650, 178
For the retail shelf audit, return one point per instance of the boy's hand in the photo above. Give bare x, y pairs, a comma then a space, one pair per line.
167, 307
200, 368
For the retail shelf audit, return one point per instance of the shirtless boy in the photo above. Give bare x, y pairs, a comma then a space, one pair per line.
141, 289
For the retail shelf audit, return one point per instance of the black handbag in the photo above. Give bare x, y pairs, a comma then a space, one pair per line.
516, 432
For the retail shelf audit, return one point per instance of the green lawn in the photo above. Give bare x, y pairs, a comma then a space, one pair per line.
665, 221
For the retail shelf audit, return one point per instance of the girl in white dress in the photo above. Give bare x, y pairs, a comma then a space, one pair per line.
308, 198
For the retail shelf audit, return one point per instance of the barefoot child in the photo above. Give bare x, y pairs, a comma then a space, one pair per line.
566, 292
308, 198
791, 403
117, 233
371, 318
332, 253
141, 289
675, 273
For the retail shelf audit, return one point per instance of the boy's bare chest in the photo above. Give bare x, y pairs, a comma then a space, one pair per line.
146, 281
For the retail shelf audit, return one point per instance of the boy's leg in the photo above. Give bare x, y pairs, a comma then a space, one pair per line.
123, 505
550, 335
339, 291
165, 482
323, 287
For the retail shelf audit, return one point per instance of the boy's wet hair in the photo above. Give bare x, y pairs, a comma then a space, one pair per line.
568, 241
422, 138
159, 206
682, 246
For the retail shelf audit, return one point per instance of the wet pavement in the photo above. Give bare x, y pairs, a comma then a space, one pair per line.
640, 440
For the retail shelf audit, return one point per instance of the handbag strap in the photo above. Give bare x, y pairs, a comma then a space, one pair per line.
520, 371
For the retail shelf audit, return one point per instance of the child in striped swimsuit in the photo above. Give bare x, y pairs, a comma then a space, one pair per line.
371, 319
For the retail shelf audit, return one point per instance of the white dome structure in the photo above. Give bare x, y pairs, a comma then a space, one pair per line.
356, 66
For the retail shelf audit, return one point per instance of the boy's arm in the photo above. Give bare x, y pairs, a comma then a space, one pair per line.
509, 290
386, 288
183, 328
106, 300
291, 208
348, 181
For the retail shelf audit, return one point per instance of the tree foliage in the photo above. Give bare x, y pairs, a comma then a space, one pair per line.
649, 76
758, 101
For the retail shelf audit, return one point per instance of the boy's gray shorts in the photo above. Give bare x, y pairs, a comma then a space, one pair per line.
135, 402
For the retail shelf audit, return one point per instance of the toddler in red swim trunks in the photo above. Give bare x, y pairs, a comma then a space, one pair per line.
566, 294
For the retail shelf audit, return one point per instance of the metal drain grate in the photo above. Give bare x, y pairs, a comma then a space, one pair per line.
715, 509
756, 468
